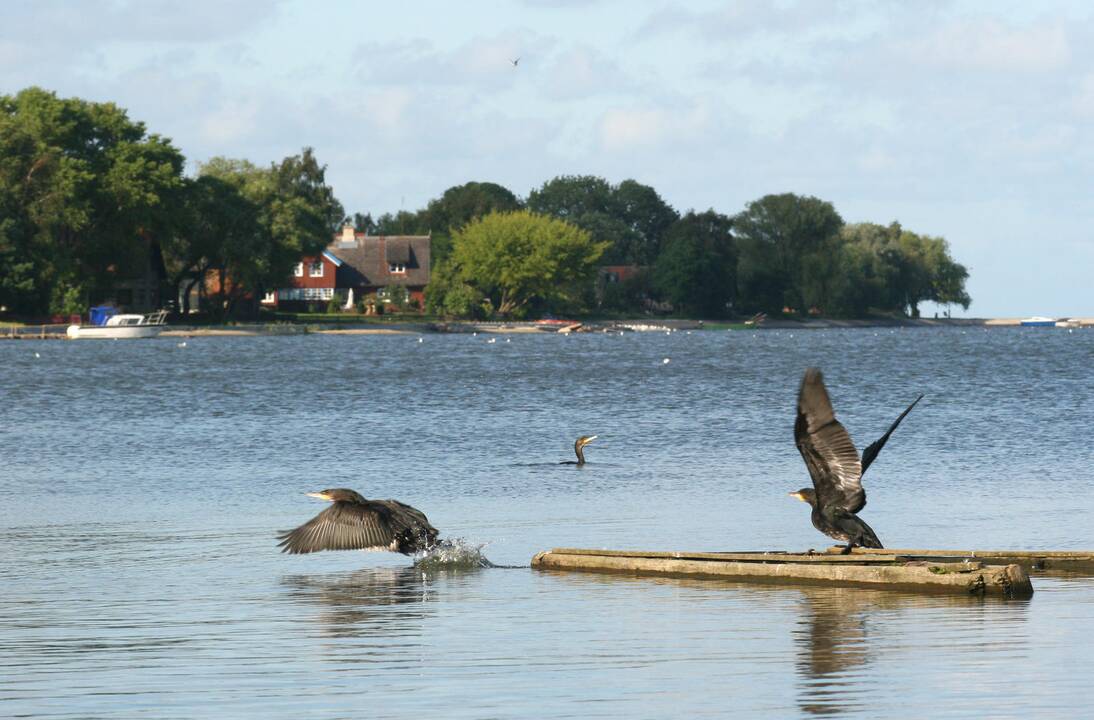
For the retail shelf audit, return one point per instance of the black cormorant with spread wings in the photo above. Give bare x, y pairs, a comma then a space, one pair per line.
579, 448
354, 523
837, 495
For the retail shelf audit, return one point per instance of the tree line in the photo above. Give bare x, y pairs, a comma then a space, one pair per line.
88, 197
782, 252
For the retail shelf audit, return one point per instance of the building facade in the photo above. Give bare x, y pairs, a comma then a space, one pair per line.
369, 265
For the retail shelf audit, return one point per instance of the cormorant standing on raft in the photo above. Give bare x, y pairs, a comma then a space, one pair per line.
834, 465
354, 523
579, 447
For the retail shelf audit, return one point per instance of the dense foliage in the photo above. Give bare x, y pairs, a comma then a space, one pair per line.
505, 262
83, 190
89, 199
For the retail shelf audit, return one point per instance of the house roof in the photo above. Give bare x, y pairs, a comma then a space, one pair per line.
367, 262
332, 258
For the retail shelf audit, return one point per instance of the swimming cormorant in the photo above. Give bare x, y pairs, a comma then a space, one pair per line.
834, 465
579, 447
354, 523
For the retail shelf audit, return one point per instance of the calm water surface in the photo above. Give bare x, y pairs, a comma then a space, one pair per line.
142, 485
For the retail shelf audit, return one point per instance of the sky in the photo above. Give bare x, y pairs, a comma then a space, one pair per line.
966, 120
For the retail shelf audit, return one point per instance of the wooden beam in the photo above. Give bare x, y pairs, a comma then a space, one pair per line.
971, 578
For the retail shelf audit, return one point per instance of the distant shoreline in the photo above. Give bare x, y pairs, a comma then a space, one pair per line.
638, 324
466, 327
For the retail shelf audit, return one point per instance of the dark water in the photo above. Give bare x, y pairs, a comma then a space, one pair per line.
142, 484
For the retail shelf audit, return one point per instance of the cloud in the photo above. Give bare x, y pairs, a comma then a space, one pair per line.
988, 44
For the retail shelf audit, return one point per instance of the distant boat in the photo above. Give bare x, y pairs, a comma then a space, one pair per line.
122, 326
1038, 321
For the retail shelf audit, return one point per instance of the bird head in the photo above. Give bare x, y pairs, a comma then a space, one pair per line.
808, 495
337, 495
584, 440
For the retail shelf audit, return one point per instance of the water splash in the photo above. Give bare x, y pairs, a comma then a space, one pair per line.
454, 553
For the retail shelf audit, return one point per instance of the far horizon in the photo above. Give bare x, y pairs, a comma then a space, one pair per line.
961, 120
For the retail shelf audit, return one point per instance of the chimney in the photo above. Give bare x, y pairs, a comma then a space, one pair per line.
347, 233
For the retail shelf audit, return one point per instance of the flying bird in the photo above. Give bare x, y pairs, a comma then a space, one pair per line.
834, 465
579, 447
354, 523
515, 62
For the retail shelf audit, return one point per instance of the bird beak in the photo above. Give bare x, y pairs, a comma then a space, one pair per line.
321, 496
797, 495
590, 439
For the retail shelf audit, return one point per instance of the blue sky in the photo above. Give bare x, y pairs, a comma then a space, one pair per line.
969, 120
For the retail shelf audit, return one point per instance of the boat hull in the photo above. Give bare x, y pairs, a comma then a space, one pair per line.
119, 332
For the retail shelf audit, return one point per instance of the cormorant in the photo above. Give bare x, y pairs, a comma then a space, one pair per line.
354, 523
579, 447
834, 465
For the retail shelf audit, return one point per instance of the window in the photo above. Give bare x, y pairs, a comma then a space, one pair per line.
298, 269
316, 268
305, 294
396, 268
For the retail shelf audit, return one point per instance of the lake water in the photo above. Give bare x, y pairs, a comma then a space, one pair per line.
143, 483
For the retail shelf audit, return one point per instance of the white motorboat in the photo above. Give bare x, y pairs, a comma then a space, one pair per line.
122, 326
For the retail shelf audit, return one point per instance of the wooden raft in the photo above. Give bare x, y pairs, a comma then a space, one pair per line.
881, 571
1073, 561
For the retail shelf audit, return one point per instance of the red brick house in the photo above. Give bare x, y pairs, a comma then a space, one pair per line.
367, 264
314, 279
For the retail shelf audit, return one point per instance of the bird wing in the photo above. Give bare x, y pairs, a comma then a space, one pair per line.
404, 516
826, 447
342, 526
871, 451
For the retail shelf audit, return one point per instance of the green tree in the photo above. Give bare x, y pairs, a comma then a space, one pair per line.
85, 192
460, 205
285, 211
697, 271
888, 268
631, 217
786, 242
516, 258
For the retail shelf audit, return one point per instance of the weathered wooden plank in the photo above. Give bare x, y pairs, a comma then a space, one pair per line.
757, 557
1074, 561
962, 578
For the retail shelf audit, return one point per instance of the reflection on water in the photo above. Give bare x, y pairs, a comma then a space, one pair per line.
837, 635
355, 604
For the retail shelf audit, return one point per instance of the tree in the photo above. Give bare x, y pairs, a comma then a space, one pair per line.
278, 214
648, 218
85, 192
632, 217
786, 242
888, 268
697, 271
515, 258
460, 205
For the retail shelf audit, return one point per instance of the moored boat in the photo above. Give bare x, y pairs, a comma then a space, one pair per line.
123, 326
1038, 321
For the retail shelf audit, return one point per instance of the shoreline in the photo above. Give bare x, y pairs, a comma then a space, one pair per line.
53, 332
635, 325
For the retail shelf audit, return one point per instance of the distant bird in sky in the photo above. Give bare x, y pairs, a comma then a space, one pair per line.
515, 62
834, 465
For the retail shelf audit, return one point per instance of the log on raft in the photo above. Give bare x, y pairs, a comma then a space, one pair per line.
893, 572
1070, 561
